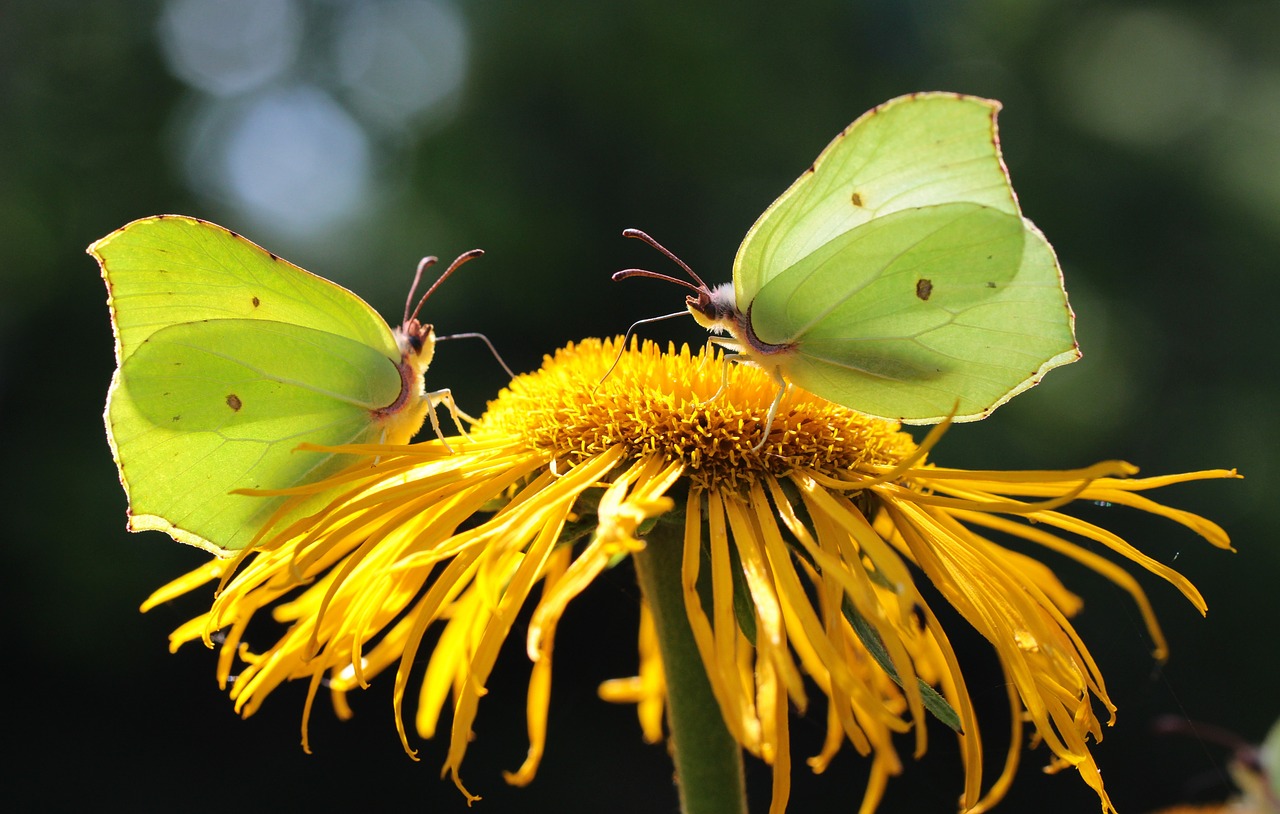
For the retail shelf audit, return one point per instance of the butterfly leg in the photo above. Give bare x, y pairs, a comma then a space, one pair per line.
435, 423
729, 358
783, 386
445, 397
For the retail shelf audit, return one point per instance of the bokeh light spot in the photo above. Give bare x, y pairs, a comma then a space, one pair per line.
1244, 153
1142, 77
292, 157
399, 60
225, 47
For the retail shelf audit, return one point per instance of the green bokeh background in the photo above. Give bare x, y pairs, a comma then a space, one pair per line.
1143, 138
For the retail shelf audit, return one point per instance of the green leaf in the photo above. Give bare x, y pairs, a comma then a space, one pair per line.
933, 700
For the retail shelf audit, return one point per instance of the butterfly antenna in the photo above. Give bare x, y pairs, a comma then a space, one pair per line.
426, 263
482, 338
423, 264
626, 273
625, 337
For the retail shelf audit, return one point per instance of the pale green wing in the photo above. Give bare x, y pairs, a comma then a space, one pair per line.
171, 269
913, 151
203, 408
921, 313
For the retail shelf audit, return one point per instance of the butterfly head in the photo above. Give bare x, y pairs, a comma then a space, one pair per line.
417, 342
715, 309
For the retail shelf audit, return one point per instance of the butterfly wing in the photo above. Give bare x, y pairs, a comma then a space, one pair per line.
204, 408
170, 269
920, 313
901, 270
228, 358
913, 151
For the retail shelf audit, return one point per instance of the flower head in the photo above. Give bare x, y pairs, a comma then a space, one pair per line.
802, 571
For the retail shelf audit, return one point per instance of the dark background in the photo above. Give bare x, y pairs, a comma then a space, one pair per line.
352, 138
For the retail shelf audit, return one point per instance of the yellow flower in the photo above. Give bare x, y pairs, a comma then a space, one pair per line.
800, 563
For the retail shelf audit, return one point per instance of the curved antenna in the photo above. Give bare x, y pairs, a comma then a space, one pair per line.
426, 263
700, 288
628, 273
423, 264
622, 347
485, 339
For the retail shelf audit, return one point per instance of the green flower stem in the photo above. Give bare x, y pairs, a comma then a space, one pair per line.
708, 760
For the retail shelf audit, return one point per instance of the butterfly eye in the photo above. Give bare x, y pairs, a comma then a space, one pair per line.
701, 303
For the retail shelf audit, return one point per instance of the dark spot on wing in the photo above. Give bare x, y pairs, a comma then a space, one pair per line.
856, 198
991, 285
256, 302
233, 401
924, 288
274, 256
176, 418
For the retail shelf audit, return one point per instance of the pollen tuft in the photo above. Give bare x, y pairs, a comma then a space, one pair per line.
695, 408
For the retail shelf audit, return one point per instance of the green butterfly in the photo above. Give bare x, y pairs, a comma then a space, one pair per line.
897, 275
228, 358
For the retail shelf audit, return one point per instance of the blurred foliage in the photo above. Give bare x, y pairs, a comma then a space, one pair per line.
1143, 138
